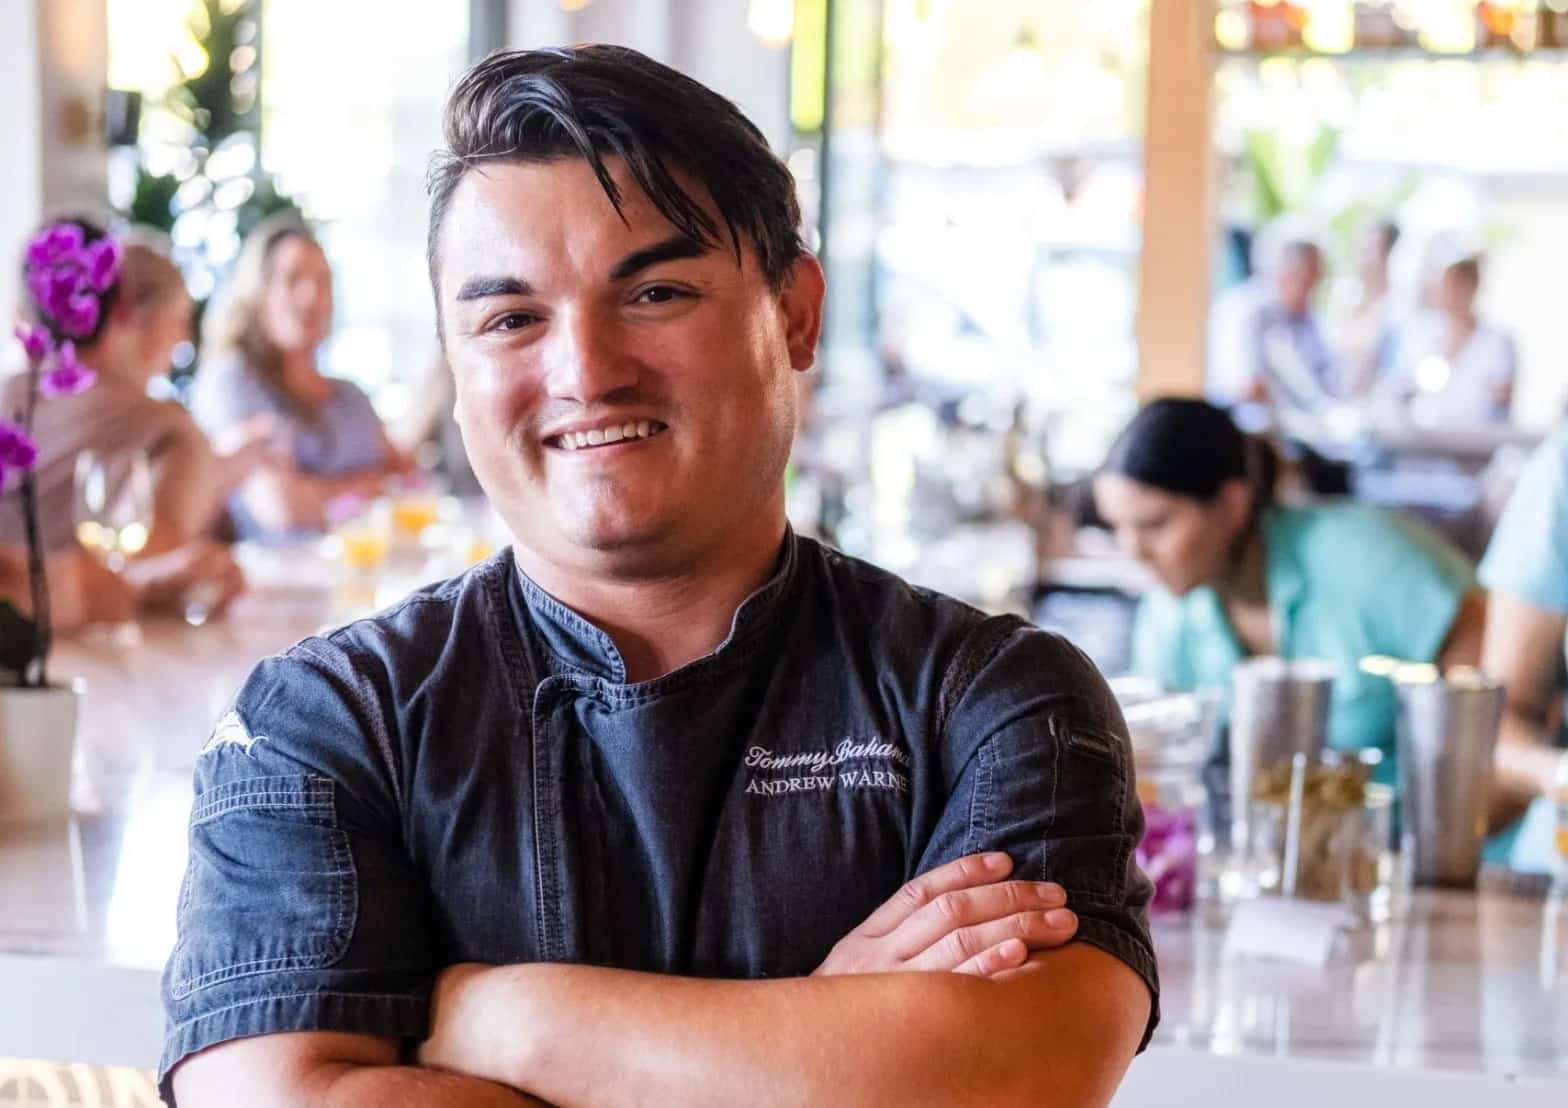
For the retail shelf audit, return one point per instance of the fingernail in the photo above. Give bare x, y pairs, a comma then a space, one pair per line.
1013, 950
1061, 917
997, 862
1051, 893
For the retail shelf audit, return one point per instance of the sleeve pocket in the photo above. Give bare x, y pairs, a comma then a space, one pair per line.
1092, 868
270, 884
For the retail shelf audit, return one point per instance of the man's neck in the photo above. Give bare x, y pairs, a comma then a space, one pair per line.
664, 621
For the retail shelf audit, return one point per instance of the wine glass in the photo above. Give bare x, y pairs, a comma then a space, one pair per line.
113, 505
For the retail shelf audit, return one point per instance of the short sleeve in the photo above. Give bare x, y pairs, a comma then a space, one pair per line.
298, 910
1046, 775
1528, 555
1411, 583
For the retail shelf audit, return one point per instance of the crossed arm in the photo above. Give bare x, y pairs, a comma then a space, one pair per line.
1020, 1018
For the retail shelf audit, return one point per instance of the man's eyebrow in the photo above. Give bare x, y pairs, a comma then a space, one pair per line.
480, 288
672, 248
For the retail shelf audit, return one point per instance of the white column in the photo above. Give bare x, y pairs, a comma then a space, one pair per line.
21, 185
56, 52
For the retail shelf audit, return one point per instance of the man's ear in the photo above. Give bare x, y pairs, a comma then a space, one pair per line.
800, 300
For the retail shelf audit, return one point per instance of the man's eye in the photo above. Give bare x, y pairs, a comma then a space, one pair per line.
659, 294
512, 321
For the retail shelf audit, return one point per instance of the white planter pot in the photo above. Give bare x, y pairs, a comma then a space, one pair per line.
37, 743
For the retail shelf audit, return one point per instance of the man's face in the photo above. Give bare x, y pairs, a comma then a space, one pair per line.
1456, 292
1297, 280
625, 394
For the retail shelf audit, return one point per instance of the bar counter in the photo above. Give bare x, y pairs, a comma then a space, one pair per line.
1462, 999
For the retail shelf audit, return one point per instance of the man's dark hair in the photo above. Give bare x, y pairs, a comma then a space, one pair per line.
597, 102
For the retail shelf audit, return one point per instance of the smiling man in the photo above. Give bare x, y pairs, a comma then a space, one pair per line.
664, 805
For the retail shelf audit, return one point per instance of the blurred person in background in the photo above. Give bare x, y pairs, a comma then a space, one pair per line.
1451, 368
1526, 571
1192, 498
259, 358
1266, 347
145, 315
83, 591
1364, 327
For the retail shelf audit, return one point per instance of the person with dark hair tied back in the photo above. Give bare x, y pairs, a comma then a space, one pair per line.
1193, 499
665, 804
259, 359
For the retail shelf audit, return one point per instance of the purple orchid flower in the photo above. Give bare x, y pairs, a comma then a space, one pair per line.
36, 341
17, 449
69, 376
54, 244
79, 316
102, 261
53, 288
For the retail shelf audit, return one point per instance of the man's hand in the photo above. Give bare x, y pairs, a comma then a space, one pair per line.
961, 918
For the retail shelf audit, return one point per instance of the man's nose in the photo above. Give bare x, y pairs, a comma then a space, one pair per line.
588, 358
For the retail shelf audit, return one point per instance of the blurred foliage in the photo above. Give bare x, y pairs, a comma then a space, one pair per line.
1285, 174
219, 103
220, 99
213, 199
152, 205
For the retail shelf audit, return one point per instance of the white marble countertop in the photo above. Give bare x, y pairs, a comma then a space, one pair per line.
1465, 982
1458, 987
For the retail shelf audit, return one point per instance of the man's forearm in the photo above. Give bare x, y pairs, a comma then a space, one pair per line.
327, 1070
352, 1086
584, 1036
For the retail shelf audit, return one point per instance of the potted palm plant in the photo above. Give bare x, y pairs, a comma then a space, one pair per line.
67, 278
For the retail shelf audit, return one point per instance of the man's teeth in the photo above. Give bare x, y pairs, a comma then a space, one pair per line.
603, 436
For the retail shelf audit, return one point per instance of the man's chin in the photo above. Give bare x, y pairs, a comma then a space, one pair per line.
618, 534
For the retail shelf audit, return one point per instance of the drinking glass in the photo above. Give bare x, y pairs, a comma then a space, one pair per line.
113, 505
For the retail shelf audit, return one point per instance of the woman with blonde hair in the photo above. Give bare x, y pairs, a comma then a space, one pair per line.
145, 315
260, 359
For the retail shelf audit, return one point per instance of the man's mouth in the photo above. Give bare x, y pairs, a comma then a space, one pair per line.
607, 436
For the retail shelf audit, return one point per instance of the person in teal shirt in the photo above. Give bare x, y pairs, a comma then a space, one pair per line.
1193, 499
1526, 572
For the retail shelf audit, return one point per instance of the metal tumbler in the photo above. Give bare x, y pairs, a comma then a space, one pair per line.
1279, 708
1446, 733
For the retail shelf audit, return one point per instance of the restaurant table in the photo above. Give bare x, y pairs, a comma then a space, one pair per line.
1463, 997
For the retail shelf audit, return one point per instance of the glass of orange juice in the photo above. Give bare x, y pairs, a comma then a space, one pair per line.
413, 512
364, 539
